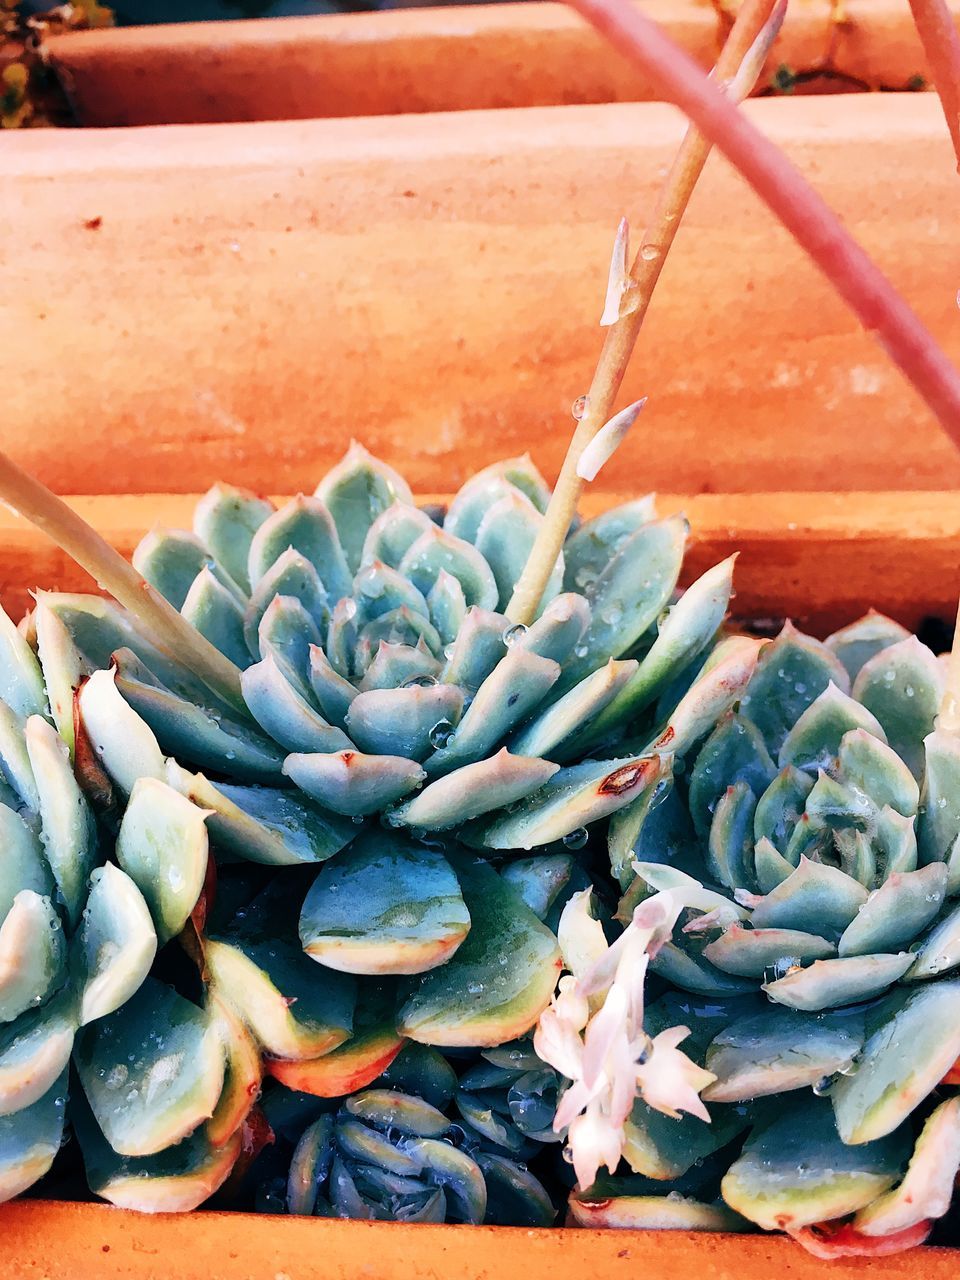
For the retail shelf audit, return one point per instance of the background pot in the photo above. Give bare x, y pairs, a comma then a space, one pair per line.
237, 301
449, 59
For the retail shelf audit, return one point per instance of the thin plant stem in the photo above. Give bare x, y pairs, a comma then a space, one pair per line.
34, 501
738, 68
941, 44
804, 213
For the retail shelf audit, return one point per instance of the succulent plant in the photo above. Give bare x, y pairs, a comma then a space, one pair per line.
369, 800
811, 843
389, 1153
83, 910
406, 803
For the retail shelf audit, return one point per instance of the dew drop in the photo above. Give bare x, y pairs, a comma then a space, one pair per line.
475, 988
513, 634
576, 839
419, 682
440, 734
449, 651
579, 407
357, 820
824, 1085
649, 252
581, 651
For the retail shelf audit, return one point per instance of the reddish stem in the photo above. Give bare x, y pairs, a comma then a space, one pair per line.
804, 213
941, 44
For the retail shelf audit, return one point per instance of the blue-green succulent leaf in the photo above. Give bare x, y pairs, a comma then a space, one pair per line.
32, 954
588, 551
291, 576
352, 783
393, 533
540, 880
384, 906
683, 635
170, 559
505, 538
436, 550
857, 643
903, 1061
734, 752
571, 800
114, 946
474, 789
34, 1050
797, 1171
226, 519
791, 674
21, 679
284, 714
162, 846
211, 738
814, 741
67, 827
815, 898
730, 844
498, 981
570, 713
896, 913
629, 595
780, 807
403, 722
263, 824
513, 689
132, 1065
306, 525
481, 491
749, 953
775, 1052
902, 685
831, 984
30, 1139
358, 490
939, 951
217, 614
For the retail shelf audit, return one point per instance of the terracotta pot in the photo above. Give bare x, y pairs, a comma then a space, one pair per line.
819, 558
108, 1244
514, 55
237, 301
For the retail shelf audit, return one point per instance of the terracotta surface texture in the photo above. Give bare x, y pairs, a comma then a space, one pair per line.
236, 301
108, 1244
447, 59
820, 558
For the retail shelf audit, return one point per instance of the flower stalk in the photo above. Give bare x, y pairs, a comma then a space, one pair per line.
817, 229
941, 44
31, 499
738, 67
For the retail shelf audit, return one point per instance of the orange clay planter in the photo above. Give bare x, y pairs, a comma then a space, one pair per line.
91, 1242
445, 59
238, 300
821, 558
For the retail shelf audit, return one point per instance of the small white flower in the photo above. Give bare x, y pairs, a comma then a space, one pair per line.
592, 1033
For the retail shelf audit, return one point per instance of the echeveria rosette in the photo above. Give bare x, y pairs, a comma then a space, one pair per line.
417, 1146
809, 849
83, 910
399, 739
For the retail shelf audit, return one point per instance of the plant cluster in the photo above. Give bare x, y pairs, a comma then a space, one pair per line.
293, 949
